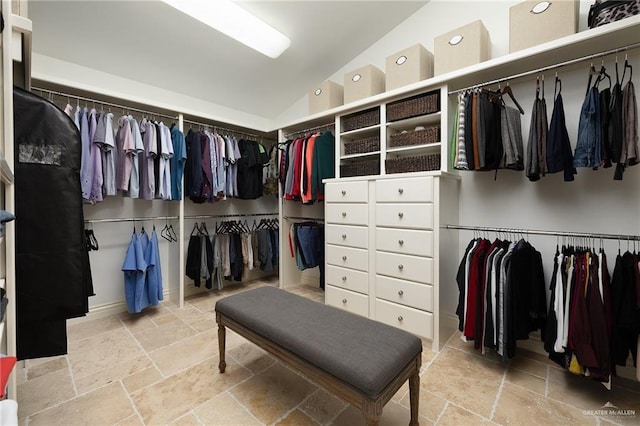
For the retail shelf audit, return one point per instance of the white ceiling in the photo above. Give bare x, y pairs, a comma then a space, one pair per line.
150, 42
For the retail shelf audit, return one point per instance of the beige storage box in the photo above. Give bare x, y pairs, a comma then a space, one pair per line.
325, 96
362, 83
533, 22
467, 45
408, 66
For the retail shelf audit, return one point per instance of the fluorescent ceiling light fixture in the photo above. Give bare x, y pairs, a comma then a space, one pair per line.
232, 20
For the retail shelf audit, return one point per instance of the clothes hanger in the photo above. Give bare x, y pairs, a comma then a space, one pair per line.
508, 91
628, 66
557, 83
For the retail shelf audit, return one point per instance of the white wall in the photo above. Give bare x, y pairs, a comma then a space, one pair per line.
71, 75
435, 18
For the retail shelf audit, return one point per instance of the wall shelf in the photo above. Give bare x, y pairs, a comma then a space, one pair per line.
615, 35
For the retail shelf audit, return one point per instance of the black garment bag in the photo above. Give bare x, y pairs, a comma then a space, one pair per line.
52, 262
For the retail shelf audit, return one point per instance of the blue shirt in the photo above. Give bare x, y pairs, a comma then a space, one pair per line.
135, 268
154, 273
177, 162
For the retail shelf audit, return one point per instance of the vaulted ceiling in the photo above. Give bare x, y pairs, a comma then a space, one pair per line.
150, 42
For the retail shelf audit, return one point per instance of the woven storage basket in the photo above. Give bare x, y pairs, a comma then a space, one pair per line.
360, 120
362, 146
418, 137
360, 168
418, 163
412, 107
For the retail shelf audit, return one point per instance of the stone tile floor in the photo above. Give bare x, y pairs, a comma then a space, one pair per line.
160, 367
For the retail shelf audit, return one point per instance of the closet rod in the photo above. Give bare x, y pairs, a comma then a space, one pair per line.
550, 67
299, 132
549, 233
237, 132
317, 219
96, 101
213, 216
130, 219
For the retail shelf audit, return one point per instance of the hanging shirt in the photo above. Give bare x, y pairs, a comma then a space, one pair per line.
86, 168
69, 110
109, 154
164, 190
138, 150
125, 146
135, 268
154, 271
95, 155
147, 175
177, 162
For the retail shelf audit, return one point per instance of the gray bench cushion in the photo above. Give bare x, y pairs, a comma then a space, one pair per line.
361, 352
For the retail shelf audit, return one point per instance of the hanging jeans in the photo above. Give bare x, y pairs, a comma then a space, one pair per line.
588, 148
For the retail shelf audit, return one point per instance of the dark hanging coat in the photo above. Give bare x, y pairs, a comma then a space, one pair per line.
52, 263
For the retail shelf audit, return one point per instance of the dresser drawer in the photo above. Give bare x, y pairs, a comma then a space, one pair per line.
415, 216
419, 243
351, 236
409, 190
408, 319
347, 192
348, 300
347, 257
347, 214
405, 267
419, 296
348, 279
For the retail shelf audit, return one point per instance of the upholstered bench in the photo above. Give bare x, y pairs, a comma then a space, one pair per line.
360, 360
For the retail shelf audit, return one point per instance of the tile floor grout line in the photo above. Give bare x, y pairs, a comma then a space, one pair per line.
193, 410
495, 402
133, 404
446, 405
232, 396
73, 378
144, 351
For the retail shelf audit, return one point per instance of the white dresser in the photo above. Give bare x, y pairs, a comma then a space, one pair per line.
347, 246
383, 250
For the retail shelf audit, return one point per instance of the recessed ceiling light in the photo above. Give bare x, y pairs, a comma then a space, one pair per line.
232, 20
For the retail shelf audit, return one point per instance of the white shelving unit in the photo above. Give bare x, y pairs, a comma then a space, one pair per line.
376, 303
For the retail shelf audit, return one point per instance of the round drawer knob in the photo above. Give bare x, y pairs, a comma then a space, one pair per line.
400, 242
400, 318
344, 214
400, 191
400, 293
400, 215
344, 278
401, 266
344, 236
344, 300
344, 192
344, 258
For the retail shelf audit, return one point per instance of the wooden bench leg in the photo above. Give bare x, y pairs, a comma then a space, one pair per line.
222, 334
414, 397
372, 412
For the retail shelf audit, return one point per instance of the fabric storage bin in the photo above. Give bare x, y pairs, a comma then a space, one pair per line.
416, 137
418, 163
359, 120
408, 66
533, 22
462, 47
414, 106
360, 168
362, 83
326, 95
362, 146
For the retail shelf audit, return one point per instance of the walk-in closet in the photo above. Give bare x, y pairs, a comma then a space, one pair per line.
201, 226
